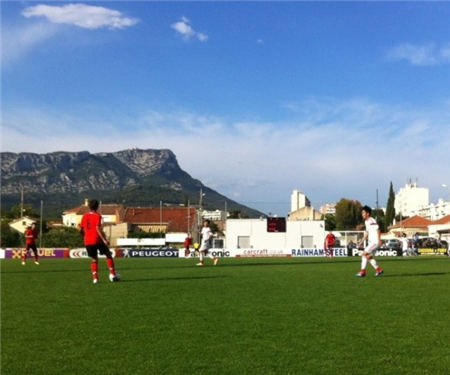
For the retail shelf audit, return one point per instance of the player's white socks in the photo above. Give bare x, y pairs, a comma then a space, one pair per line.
363, 263
374, 264
201, 256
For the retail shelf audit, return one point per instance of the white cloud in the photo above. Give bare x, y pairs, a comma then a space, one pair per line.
336, 149
81, 15
18, 41
421, 55
183, 27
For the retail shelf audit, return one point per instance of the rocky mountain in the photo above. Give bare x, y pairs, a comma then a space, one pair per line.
131, 177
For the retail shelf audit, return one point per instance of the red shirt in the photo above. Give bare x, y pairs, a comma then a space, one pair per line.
329, 240
30, 236
89, 223
187, 242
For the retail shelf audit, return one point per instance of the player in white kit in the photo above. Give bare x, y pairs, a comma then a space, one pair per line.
372, 234
205, 244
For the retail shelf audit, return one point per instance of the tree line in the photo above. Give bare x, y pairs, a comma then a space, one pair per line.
348, 215
51, 237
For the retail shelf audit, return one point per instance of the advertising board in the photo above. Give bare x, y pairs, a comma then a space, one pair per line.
153, 253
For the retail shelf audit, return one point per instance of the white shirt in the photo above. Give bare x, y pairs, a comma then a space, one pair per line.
206, 234
372, 229
404, 243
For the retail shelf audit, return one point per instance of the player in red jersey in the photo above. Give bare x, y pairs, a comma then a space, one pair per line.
95, 240
330, 240
187, 244
31, 235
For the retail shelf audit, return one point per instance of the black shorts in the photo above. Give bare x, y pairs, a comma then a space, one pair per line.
32, 247
101, 247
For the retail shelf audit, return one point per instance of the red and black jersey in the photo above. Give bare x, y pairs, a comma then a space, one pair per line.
30, 236
330, 240
187, 242
89, 224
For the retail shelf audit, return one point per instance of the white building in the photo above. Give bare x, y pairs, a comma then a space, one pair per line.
410, 199
299, 200
440, 228
435, 211
328, 208
216, 215
254, 234
22, 223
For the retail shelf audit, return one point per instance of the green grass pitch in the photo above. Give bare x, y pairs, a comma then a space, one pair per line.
245, 316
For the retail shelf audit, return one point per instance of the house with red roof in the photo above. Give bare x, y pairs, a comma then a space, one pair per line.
411, 226
111, 214
440, 228
162, 219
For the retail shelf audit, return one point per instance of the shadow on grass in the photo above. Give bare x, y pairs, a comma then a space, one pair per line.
43, 271
245, 262
321, 261
173, 278
417, 274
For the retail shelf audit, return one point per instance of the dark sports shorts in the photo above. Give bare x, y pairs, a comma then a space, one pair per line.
101, 247
32, 247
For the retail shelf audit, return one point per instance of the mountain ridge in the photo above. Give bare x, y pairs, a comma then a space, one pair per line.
128, 176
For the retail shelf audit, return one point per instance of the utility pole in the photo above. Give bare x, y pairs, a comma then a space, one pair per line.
377, 200
21, 202
160, 217
188, 217
40, 224
200, 201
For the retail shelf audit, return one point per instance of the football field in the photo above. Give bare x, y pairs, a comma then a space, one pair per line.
245, 316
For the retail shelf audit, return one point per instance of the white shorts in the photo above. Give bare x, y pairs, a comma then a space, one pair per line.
371, 248
204, 246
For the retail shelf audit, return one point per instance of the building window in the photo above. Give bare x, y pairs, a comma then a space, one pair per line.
307, 241
243, 242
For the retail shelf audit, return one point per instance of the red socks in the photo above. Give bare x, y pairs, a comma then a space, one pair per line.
94, 269
110, 263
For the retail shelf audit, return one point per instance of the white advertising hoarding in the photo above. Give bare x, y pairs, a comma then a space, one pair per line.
141, 241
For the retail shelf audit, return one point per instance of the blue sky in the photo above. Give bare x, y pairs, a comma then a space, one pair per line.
256, 99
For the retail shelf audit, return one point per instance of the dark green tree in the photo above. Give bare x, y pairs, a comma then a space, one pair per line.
348, 214
62, 237
235, 214
28, 210
379, 216
390, 209
330, 222
9, 237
